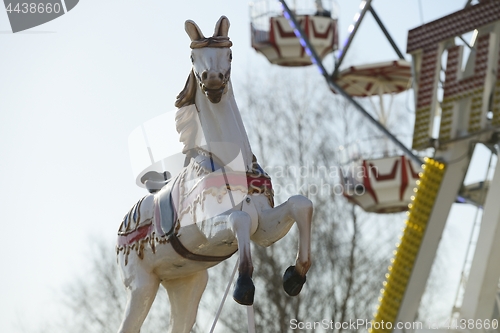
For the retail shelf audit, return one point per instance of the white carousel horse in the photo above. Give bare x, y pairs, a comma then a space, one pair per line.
211, 209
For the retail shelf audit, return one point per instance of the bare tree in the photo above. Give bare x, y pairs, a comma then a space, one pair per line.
94, 302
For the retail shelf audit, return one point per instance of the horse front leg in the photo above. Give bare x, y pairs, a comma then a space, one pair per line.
241, 224
274, 223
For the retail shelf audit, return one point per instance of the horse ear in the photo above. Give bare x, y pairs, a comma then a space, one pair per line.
193, 31
222, 27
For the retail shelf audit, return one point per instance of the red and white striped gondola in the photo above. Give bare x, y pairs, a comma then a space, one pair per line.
273, 36
380, 183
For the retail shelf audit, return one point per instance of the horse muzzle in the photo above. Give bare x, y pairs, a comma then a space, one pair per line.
213, 84
214, 95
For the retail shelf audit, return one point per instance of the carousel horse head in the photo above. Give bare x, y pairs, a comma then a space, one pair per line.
211, 58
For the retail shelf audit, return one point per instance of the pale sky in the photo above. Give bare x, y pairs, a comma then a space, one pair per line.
71, 92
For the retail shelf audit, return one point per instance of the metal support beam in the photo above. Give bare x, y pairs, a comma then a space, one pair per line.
348, 42
317, 61
386, 33
482, 283
457, 164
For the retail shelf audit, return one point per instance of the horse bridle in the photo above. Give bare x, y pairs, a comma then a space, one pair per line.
224, 81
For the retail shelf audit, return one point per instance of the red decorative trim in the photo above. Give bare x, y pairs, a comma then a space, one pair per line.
388, 176
283, 33
317, 34
272, 32
135, 235
404, 177
306, 32
331, 28
259, 182
367, 184
219, 180
414, 174
272, 38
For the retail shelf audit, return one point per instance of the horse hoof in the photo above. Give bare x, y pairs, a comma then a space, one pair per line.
292, 281
244, 290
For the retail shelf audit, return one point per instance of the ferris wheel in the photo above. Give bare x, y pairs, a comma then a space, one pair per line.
465, 109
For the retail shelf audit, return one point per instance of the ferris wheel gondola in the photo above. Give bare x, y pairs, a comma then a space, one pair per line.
274, 37
386, 179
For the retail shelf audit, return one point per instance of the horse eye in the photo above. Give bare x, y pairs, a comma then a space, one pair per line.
192, 59
231, 56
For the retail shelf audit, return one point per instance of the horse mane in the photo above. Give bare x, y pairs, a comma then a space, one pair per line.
188, 126
186, 96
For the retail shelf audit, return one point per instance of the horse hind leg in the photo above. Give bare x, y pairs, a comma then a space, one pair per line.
184, 295
274, 223
141, 291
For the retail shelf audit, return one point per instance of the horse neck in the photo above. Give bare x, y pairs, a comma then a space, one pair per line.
222, 123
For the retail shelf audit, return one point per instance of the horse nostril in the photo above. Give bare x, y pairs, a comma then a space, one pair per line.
221, 76
204, 75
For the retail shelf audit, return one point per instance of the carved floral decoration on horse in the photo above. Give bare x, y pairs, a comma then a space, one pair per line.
219, 201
